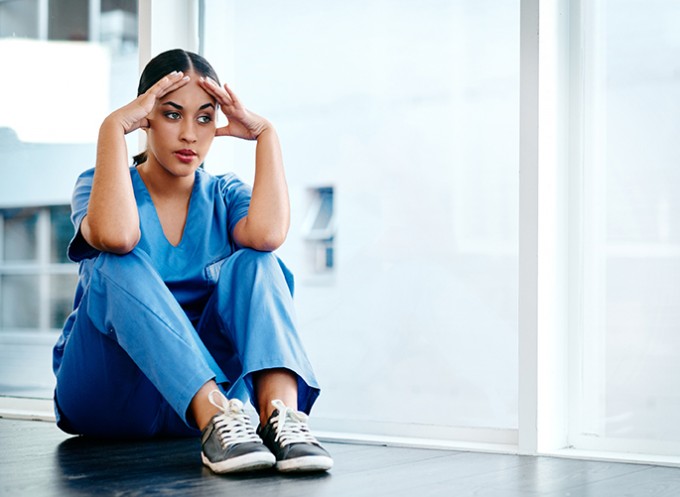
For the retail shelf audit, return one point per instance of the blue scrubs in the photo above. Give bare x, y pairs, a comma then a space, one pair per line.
149, 328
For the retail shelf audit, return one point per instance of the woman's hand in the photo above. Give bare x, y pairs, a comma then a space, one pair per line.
112, 220
266, 225
241, 122
133, 115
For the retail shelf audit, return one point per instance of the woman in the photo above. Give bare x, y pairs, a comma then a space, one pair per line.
180, 304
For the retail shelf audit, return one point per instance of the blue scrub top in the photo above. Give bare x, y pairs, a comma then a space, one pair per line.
191, 268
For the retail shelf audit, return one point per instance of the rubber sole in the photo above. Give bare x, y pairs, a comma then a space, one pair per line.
247, 462
306, 464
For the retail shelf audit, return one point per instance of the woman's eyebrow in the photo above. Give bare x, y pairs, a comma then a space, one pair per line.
173, 104
179, 107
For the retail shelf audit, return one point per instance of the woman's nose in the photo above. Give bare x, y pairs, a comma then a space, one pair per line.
188, 132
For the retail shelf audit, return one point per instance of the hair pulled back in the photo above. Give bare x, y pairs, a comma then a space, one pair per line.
162, 65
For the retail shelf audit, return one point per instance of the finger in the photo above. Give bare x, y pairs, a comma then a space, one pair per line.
215, 90
223, 131
168, 83
211, 87
165, 82
232, 96
174, 86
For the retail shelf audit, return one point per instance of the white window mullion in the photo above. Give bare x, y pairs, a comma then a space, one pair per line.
591, 332
543, 260
217, 21
94, 20
43, 259
528, 229
167, 24
43, 19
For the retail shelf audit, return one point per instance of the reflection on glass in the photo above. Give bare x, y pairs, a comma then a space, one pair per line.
62, 287
20, 306
61, 232
20, 234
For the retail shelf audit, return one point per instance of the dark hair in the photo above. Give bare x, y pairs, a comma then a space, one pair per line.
162, 65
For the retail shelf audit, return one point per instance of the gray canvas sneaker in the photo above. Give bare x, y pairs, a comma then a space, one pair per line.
287, 436
229, 443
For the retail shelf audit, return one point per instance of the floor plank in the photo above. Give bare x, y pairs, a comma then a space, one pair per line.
38, 460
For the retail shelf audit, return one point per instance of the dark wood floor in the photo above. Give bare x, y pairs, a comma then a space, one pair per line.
36, 460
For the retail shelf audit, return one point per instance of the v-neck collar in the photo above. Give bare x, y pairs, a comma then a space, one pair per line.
158, 226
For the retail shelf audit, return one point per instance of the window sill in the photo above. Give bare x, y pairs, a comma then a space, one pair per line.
26, 408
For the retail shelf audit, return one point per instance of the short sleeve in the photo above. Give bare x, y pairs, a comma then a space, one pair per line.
237, 196
78, 248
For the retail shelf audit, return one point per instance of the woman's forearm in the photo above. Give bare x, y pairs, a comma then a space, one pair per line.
112, 221
268, 220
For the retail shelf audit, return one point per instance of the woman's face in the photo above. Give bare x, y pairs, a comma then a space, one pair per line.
181, 129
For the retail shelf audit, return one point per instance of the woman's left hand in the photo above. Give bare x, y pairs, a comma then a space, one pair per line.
242, 123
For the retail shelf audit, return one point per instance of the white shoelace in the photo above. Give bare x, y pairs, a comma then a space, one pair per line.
291, 426
233, 425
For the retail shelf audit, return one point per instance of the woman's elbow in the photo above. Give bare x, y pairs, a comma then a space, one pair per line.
269, 241
119, 239
265, 237
118, 244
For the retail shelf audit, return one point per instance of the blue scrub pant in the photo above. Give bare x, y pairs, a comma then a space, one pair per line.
133, 361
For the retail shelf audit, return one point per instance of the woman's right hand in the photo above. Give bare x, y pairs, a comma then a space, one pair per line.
112, 220
133, 115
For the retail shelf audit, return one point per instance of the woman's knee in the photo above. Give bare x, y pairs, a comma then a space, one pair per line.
252, 256
132, 271
249, 264
131, 263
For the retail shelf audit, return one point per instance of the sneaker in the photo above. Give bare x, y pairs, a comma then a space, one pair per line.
287, 436
229, 443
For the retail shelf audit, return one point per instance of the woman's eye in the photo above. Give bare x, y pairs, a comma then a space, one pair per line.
204, 119
172, 115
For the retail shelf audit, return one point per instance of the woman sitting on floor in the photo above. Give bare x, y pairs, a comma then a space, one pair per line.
181, 308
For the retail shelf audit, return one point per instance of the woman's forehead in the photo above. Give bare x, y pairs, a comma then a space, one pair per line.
191, 94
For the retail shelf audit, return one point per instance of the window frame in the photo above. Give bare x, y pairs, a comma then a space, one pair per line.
43, 266
552, 135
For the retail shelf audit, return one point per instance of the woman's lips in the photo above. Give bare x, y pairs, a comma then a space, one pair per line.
185, 156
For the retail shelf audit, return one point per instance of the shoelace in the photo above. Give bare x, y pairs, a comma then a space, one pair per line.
291, 426
233, 425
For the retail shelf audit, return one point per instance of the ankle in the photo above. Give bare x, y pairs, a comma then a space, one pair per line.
201, 408
271, 384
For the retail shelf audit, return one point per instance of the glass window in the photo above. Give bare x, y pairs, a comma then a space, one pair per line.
631, 230
90, 59
37, 294
61, 232
62, 287
20, 234
396, 105
20, 301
